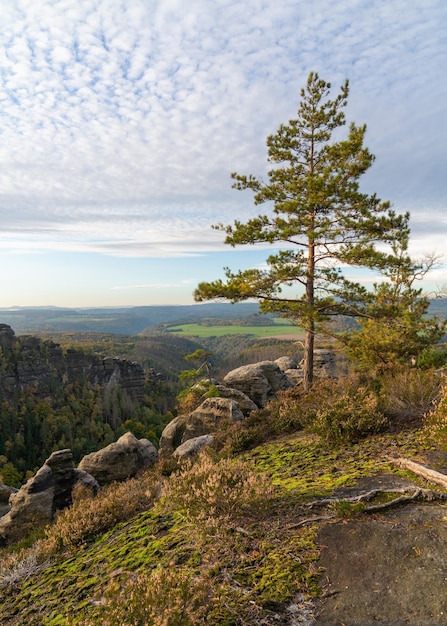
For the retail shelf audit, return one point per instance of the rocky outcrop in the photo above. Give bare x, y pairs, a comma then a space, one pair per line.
120, 460
48, 491
243, 390
204, 420
51, 488
259, 381
30, 362
192, 447
324, 364
291, 369
5, 492
172, 436
245, 404
286, 363
209, 415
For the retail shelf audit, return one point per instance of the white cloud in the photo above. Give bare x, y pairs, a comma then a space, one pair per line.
120, 122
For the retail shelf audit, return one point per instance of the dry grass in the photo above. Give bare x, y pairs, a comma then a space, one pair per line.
89, 516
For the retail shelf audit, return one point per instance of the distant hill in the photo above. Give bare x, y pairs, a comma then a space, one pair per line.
125, 320
134, 320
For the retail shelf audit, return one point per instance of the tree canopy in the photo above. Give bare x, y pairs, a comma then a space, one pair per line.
318, 223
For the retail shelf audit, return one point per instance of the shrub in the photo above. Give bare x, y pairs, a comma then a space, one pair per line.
432, 357
190, 398
292, 411
436, 419
164, 597
406, 395
206, 490
20, 566
349, 417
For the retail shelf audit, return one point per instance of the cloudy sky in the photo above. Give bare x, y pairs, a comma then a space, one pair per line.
121, 120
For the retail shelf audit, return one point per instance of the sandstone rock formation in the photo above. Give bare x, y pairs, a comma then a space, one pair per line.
259, 381
286, 363
29, 361
209, 415
245, 404
291, 369
5, 492
324, 364
243, 390
120, 460
172, 436
204, 420
192, 447
49, 490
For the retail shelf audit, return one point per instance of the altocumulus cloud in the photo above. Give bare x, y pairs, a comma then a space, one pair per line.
121, 121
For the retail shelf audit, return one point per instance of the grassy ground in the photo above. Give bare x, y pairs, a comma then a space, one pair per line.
198, 330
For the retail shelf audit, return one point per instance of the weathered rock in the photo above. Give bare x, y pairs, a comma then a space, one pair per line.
192, 447
42, 365
120, 460
209, 415
245, 404
172, 435
295, 375
108, 372
286, 363
49, 490
7, 337
324, 364
259, 381
5, 492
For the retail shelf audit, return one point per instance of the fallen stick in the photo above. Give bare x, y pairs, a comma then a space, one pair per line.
421, 470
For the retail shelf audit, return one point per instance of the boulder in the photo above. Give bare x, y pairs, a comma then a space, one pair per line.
192, 447
172, 436
259, 381
120, 460
49, 490
245, 404
286, 363
209, 415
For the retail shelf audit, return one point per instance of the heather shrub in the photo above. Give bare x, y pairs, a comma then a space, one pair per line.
292, 411
164, 597
229, 488
192, 397
348, 417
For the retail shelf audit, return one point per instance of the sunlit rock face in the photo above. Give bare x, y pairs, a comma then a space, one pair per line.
120, 460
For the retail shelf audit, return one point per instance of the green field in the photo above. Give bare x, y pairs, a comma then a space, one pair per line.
198, 330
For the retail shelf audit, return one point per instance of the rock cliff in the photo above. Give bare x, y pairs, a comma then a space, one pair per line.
28, 361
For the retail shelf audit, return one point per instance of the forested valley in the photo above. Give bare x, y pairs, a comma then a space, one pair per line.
53, 413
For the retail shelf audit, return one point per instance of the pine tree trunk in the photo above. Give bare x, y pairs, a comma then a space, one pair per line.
308, 364
309, 341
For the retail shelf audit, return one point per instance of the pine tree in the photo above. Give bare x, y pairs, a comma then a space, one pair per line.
395, 327
319, 220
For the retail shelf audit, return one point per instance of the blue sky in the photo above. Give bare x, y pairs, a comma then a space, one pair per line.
121, 120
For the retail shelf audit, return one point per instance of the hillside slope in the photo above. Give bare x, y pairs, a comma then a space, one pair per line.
243, 541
